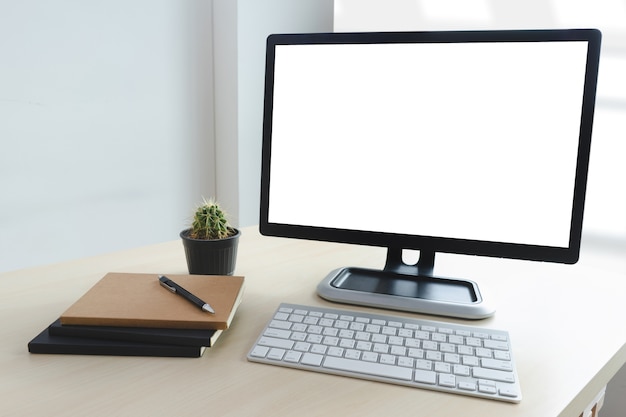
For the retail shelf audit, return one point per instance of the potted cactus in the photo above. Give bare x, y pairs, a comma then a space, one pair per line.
210, 243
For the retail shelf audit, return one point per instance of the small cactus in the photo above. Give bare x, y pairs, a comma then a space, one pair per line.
210, 223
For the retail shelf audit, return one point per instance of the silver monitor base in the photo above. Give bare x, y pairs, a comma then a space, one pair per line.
418, 294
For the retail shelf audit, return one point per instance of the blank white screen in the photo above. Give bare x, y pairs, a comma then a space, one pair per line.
460, 140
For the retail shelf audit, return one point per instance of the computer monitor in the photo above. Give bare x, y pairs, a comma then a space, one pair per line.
464, 142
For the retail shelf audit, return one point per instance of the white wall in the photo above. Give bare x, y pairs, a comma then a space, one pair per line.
107, 128
241, 29
104, 123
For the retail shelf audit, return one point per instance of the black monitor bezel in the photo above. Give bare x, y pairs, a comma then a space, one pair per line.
568, 255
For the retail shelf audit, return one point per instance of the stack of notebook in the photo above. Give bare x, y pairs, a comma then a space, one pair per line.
133, 315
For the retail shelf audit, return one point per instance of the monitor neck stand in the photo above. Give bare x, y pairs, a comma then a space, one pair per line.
424, 266
405, 287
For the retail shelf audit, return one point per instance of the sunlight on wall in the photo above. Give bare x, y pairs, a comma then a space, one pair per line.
475, 11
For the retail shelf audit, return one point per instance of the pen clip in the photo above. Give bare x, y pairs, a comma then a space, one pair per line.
172, 289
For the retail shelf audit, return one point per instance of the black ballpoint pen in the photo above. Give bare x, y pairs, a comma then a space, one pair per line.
177, 289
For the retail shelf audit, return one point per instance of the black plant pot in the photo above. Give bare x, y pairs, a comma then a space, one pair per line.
210, 257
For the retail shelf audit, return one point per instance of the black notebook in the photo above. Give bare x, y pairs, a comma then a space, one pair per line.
48, 343
184, 337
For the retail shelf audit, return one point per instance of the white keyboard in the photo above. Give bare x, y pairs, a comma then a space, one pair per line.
434, 355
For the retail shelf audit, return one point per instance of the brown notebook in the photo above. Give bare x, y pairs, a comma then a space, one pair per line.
138, 300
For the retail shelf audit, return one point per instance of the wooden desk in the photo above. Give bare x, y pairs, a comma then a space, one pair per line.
579, 345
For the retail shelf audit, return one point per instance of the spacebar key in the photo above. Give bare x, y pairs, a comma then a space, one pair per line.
369, 368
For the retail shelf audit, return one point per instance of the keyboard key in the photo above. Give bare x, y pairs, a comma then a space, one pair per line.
504, 356
362, 336
342, 324
259, 351
412, 343
443, 367
452, 358
434, 355
298, 327
439, 337
483, 353
296, 318
488, 389
389, 331
335, 351
282, 316
302, 346
312, 359
447, 380
405, 332
388, 359
493, 375
427, 377
416, 353
274, 342
327, 322
276, 354
292, 356
508, 391
467, 386
380, 348
370, 368
465, 350
420, 334
346, 334
281, 334
428, 345
406, 362
348, 343
496, 364
298, 336
471, 361
396, 340
474, 341
280, 324
461, 370
321, 349
331, 341
447, 347
379, 338
315, 329
353, 354
496, 344
356, 326
361, 345
398, 350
